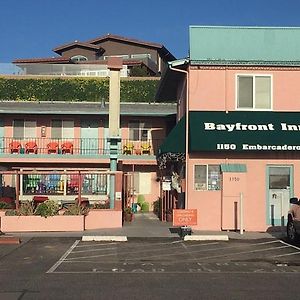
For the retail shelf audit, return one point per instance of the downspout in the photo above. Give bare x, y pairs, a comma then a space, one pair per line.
186, 131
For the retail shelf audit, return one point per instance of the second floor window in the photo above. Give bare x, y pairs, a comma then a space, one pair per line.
139, 131
254, 92
62, 129
24, 129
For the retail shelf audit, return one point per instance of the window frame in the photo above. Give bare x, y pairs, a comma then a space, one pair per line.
147, 127
253, 75
25, 133
207, 179
61, 128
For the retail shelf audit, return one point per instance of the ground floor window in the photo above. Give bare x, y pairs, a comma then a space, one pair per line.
207, 177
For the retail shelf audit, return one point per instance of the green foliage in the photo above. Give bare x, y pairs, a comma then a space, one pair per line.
74, 89
26, 209
11, 212
157, 206
145, 207
47, 209
4, 205
140, 200
101, 205
127, 211
76, 210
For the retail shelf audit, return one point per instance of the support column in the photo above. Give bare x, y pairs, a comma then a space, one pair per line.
114, 65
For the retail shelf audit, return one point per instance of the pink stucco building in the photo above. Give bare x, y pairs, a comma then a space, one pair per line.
239, 93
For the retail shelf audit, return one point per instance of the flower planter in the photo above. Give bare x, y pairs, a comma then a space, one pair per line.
38, 223
103, 218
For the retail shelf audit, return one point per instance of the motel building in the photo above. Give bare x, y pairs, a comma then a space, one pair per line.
236, 147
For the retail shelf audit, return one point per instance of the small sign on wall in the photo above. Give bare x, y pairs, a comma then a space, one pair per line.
166, 185
43, 131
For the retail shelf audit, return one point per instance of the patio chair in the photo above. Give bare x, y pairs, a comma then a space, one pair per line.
53, 147
31, 147
15, 147
128, 148
67, 147
146, 148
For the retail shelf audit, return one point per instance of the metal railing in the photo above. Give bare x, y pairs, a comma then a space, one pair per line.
76, 146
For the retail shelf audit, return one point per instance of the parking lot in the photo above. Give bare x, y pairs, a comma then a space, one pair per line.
177, 256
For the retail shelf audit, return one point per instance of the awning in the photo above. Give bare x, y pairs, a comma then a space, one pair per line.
236, 168
175, 141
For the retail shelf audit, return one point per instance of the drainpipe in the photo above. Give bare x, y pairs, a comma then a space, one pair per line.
186, 130
114, 65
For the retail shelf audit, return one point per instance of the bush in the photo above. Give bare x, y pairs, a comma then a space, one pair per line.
75, 89
26, 209
102, 205
76, 210
140, 200
47, 209
157, 206
145, 207
11, 212
4, 205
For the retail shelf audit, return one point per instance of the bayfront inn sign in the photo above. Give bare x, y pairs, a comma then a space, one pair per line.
244, 131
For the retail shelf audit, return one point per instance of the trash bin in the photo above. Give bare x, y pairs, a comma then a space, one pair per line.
134, 208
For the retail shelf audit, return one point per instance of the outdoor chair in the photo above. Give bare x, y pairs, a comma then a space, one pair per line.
53, 147
146, 148
31, 147
15, 147
67, 147
128, 148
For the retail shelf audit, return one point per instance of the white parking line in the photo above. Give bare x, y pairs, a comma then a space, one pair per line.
289, 254
93, 250
56, 265
95, 245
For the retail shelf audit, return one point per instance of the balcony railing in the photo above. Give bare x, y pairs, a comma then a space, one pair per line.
75, 146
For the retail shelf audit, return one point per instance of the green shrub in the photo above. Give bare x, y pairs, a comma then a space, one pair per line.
75, 89
12, 212
26, 208
145, 207
140, 200
76, 210
4, 205
47, 209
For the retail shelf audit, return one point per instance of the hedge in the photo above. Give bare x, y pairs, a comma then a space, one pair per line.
74, 89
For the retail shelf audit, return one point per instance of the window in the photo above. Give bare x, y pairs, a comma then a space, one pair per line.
139, 131
254, 92
207, 177
24, 129
78, 58
62, 129
279, 177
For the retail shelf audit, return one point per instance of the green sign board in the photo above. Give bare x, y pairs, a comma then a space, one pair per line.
244, 131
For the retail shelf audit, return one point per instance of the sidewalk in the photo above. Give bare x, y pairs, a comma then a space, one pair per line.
147, 225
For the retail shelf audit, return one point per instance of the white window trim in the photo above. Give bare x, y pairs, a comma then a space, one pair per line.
252, 75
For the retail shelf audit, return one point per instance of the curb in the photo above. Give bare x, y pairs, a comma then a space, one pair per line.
206, 238
106, 238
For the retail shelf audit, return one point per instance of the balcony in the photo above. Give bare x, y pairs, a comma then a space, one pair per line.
76, 147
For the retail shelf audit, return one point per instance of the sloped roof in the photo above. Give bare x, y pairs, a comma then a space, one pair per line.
42, 60
60, 49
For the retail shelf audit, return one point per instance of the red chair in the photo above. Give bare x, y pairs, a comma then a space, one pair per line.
31, 147
67, 147
53, 147
15, 147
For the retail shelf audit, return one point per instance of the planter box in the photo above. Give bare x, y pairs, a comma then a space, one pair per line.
103, 218
37, 223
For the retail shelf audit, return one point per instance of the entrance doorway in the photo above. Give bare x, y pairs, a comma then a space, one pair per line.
279, 192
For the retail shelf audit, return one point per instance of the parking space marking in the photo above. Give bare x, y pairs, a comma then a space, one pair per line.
288, 254
93, 250
64, 256
95, 245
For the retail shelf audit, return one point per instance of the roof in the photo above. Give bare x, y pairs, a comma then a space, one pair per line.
42, 60
124, 39
161, 49
256, 45
86, 108
59, 49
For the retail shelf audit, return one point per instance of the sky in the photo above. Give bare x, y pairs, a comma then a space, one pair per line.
32, 28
